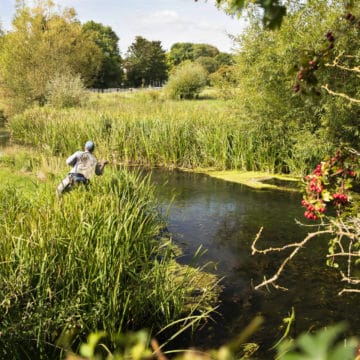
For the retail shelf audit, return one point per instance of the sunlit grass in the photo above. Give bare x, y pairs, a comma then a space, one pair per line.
92, 259
146, 130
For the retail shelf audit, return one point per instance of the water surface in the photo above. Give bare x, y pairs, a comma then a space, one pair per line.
224, 218
4, 136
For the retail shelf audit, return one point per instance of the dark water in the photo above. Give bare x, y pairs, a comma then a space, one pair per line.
224, 218
4, 136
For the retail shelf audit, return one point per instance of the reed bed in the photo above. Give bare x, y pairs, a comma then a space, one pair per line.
89, 260
138, 130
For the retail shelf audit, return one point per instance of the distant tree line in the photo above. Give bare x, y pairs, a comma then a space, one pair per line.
46, 42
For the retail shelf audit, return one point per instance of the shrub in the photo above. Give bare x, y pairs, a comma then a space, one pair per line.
66, 90
187, 81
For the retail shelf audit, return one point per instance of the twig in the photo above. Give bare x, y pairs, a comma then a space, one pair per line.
348, 279
348, 291
343, 254
347, 97
297, 246
335, 63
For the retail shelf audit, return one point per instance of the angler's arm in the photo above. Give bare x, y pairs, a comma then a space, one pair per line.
100, 167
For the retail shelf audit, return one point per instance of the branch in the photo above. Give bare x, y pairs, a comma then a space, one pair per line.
343, 254
348, 279
347, 97
265, 251
348, 291
297, 246
335, 63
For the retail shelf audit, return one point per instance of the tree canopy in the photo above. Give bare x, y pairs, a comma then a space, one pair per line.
110, 73
145, 63
44, 42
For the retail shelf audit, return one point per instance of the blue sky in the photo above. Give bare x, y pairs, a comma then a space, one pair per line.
169, 21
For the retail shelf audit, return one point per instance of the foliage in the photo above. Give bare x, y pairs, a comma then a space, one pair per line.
187, 81
207, 55
321, 345
226, 80
273, 10
269, 102
110, 74
330, 184
43, 42
145, 63
138, 127
180, 52
65, 90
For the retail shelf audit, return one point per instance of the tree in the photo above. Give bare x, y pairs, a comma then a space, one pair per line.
180, 52
226, 80
325, 74
202, 50
187, 81
110, 73
224, 58
145, 63
43, 43
208, 63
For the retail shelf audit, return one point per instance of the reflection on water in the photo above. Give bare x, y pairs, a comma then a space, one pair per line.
4, 136
224, 218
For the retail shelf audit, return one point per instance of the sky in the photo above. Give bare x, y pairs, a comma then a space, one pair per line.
168, 21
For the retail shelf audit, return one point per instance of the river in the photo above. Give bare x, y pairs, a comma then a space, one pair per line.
224, 218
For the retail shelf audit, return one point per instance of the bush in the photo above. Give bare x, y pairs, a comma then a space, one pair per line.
187, 81
66, 90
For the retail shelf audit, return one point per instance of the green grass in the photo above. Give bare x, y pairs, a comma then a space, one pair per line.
95, 259
145, 130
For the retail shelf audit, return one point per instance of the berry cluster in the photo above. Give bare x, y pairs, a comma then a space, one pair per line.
312, 61
352, 19
329, 184
330, 37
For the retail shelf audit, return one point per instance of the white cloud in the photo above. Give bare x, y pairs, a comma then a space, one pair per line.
162, 17
168, 21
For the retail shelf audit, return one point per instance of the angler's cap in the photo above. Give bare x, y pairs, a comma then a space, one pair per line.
89, 146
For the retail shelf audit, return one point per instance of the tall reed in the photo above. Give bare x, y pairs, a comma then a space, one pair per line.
206, 133
89, 260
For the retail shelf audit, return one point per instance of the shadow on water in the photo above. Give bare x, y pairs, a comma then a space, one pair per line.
4, 136
224, 218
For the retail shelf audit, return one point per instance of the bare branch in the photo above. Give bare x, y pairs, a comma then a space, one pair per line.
343, 254
348, 279
348, 291
347, 97
336, 64
297, 246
